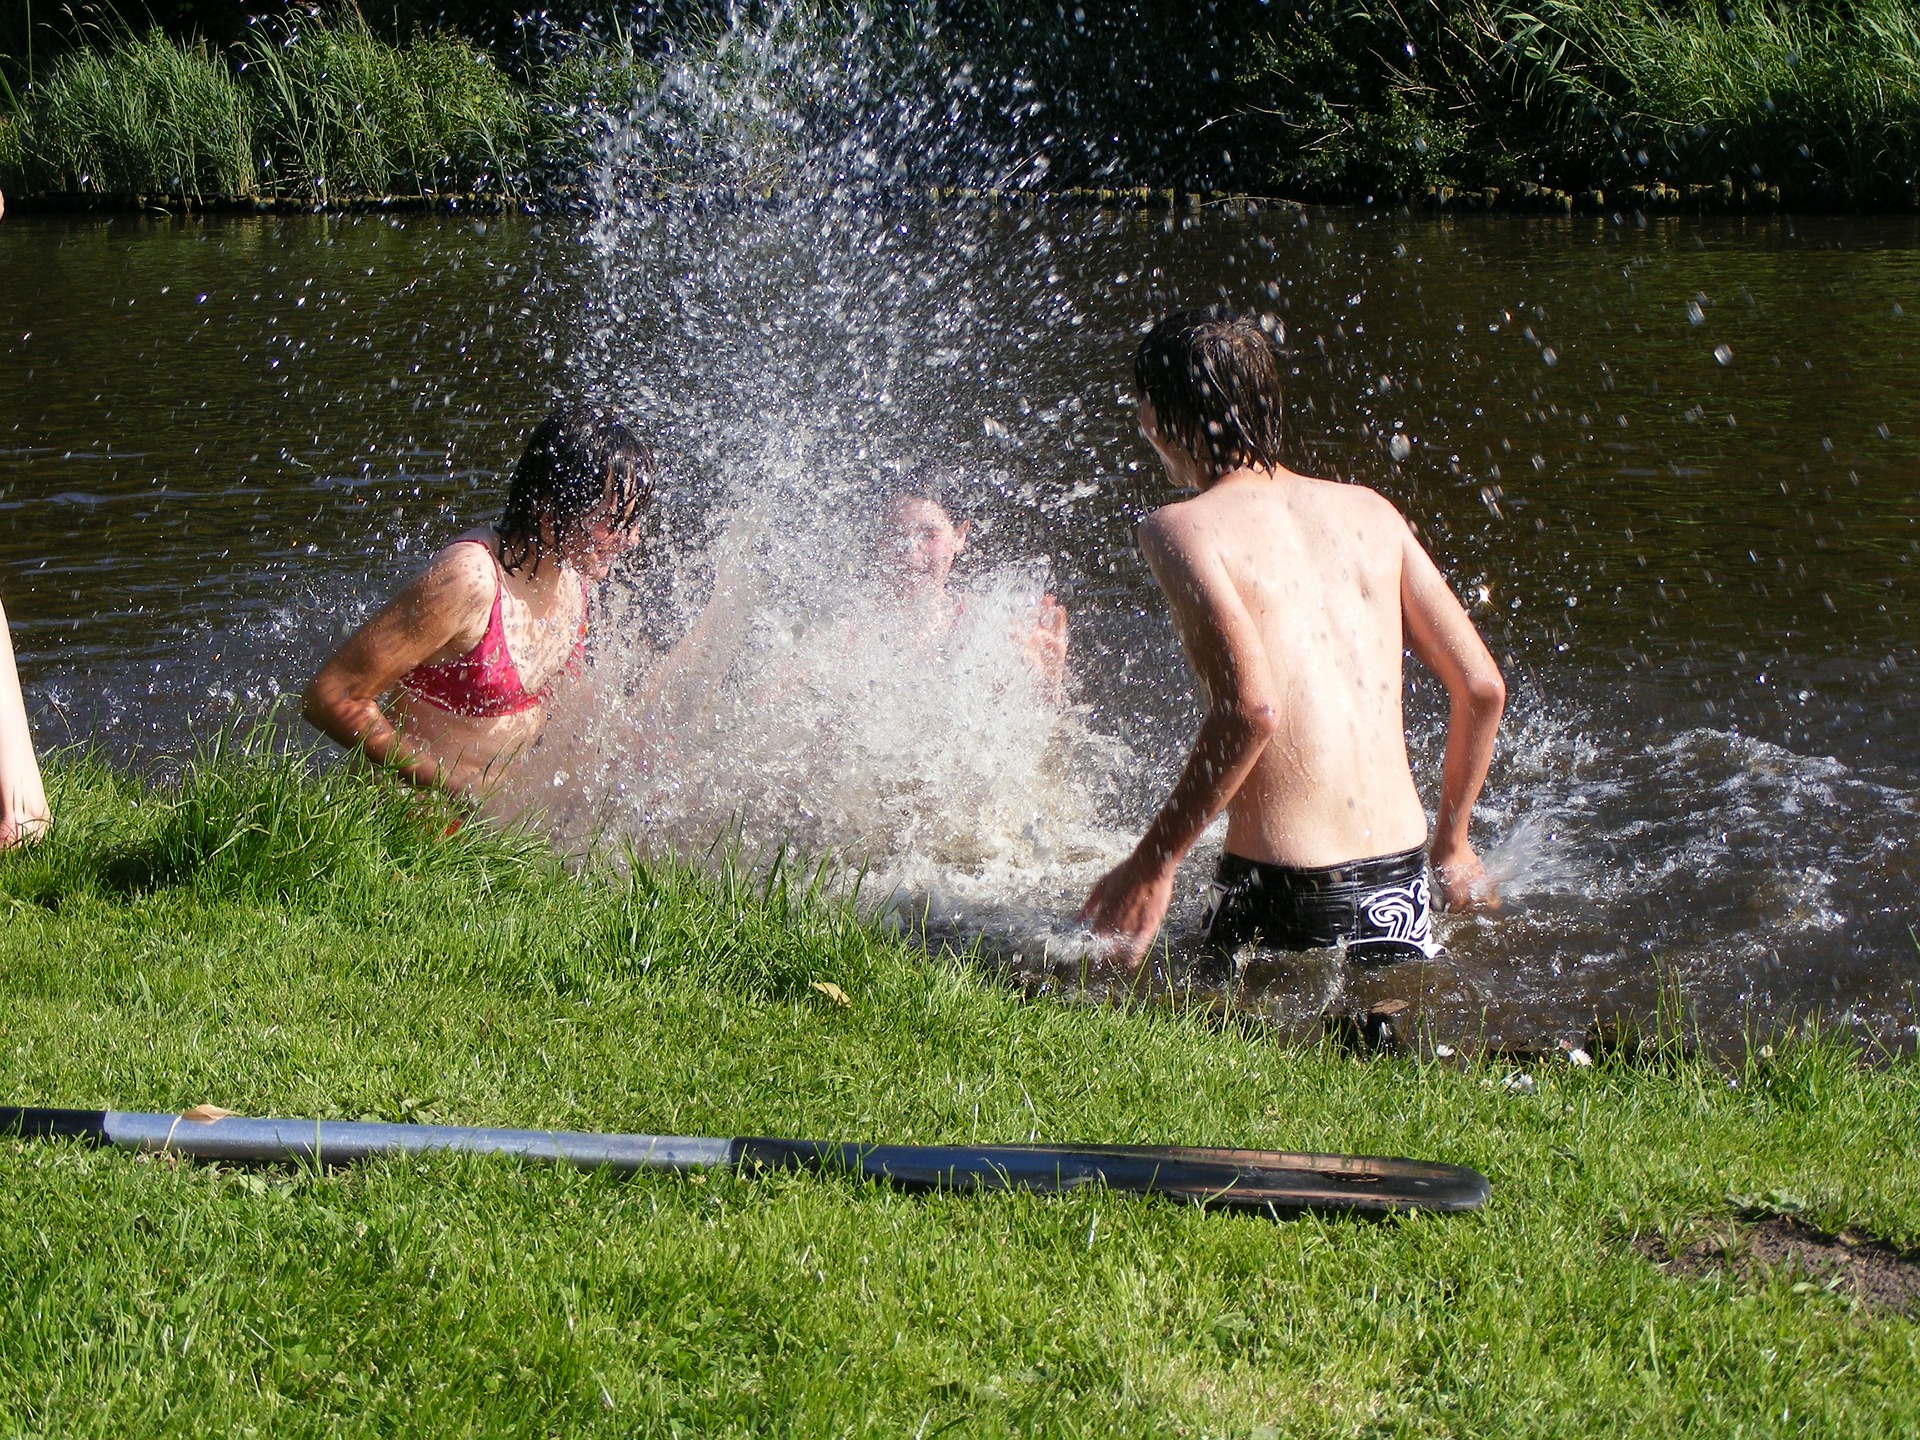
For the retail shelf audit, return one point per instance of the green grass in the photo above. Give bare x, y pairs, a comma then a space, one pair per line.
282, 944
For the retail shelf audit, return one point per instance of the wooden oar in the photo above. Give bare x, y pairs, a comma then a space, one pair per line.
1268, 1180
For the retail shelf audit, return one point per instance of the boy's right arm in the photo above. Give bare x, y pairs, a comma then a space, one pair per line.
1226, 652
1443, 639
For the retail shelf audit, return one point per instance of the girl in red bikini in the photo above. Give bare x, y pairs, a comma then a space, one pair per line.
449, 683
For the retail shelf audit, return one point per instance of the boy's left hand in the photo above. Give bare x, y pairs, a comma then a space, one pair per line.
1127, 906
1464, 882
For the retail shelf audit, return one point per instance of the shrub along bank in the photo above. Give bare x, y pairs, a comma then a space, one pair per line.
317, 113
1806, 103
1810, 102
275, 943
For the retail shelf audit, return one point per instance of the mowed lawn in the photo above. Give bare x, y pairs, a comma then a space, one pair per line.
279, 944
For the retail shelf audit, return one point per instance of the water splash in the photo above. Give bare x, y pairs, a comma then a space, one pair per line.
800, 345
810, 712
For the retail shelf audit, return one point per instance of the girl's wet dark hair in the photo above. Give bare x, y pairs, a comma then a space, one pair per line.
579, 462
1214, 379
936, 484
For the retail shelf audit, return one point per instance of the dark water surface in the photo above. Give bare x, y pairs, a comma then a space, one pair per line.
1676, 466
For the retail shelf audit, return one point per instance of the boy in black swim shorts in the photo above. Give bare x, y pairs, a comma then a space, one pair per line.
1294, 599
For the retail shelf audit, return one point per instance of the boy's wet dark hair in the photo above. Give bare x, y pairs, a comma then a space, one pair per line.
579, 462
1214, 380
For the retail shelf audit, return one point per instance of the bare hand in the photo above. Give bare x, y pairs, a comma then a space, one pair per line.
1464, 883
1046, 642
1127, 906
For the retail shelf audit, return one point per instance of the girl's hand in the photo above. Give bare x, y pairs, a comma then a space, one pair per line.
1046, 643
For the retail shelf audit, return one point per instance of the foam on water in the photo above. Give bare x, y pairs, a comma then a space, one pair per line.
808, 712
1623, 857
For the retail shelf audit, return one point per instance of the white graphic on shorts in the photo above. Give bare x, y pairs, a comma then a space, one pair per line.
1401, 913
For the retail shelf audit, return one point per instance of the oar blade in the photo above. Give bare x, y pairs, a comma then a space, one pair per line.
37, 1122
1270, 1181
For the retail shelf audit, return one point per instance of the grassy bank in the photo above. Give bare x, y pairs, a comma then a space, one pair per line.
1750, 104
278, 944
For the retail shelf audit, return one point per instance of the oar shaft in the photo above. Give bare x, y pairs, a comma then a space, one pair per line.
343, 1142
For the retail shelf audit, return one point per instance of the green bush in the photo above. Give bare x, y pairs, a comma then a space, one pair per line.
1821, 99
580, 97
1332, 98
150, 115
343, 113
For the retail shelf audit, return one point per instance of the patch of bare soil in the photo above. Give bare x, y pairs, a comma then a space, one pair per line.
1869, 1270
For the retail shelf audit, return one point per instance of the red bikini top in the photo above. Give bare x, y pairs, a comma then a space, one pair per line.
485, 682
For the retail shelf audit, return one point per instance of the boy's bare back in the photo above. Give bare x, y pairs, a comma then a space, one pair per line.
1314, 568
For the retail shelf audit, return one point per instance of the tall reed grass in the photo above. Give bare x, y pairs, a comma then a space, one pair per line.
310, 109
148, 115
342, 112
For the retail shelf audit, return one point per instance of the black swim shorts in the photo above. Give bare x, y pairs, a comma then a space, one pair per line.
1379, 909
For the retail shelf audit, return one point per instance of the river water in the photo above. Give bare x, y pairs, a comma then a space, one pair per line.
1674, 466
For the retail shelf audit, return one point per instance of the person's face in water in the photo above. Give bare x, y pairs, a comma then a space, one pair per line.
918, 543
608, 533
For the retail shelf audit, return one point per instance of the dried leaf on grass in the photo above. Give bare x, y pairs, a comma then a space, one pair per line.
832, 991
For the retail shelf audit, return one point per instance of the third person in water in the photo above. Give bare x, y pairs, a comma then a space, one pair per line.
917, 544
1293, 598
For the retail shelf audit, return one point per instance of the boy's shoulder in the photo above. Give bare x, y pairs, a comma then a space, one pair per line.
1222, 504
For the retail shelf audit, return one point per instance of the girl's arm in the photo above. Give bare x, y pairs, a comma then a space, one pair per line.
442, 613
23, 797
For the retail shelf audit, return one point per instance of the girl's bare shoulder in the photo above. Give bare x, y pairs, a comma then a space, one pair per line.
463, 571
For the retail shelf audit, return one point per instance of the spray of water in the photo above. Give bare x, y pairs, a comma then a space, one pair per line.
801, 345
